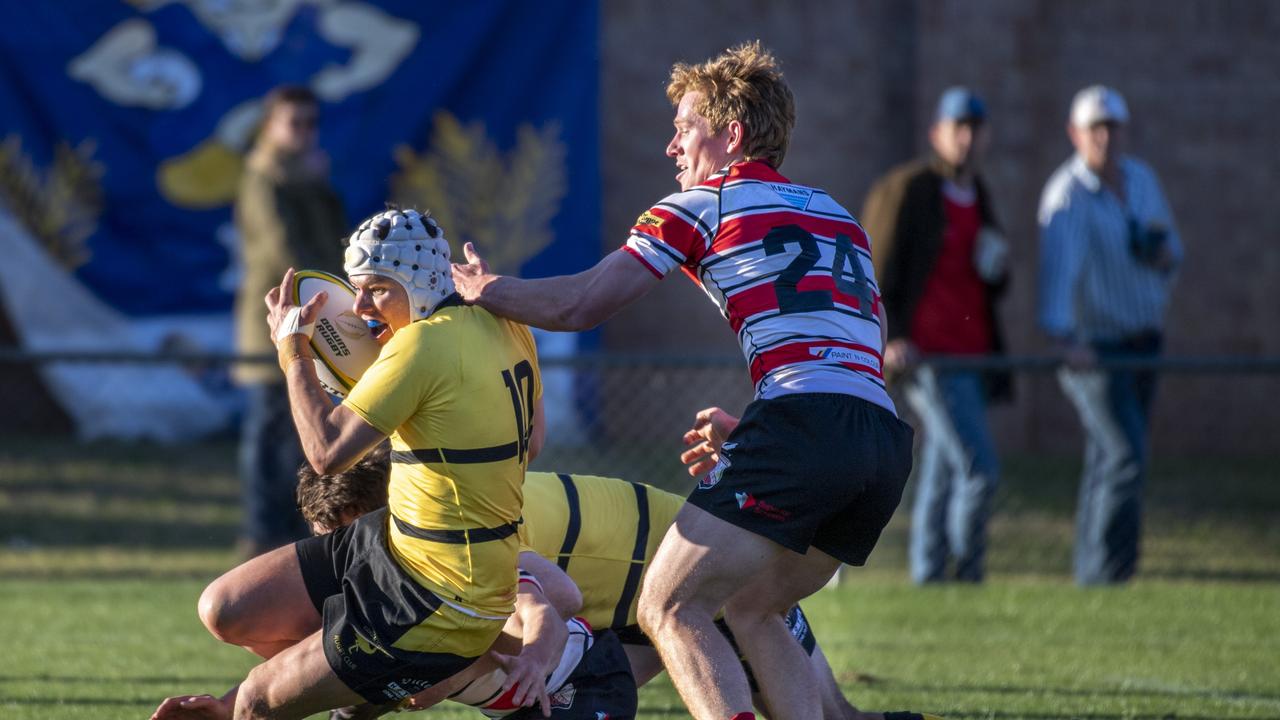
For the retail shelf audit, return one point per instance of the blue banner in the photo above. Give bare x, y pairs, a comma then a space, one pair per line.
124, 127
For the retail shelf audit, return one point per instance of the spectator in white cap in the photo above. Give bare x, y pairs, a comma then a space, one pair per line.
1108, 255
942, 264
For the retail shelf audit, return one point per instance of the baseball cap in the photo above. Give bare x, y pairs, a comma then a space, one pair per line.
1098, 103
960, 103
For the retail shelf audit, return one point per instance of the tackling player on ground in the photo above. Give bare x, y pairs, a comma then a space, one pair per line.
814, 470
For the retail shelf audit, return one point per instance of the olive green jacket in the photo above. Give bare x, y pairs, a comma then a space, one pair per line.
286, 218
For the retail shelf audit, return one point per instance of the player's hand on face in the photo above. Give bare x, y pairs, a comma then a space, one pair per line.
710, 429
470, 278
529, 676
280, 303
192, 707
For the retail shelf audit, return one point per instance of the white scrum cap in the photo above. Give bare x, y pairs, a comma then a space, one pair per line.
408, 247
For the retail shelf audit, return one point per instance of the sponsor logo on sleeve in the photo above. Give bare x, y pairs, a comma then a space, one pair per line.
648, 218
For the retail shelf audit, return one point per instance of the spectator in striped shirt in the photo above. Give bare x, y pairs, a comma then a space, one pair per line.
811, 473
1108, 255
942, 264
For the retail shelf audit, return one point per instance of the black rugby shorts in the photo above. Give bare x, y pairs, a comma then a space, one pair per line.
818, 470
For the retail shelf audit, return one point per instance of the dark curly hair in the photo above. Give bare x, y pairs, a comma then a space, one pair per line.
331, 501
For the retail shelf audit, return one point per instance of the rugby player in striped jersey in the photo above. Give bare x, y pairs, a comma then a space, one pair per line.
810, 475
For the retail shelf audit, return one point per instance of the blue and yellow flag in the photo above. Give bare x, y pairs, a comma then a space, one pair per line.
123, 128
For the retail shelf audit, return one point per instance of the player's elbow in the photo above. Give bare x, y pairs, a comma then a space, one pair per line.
567, 600
325, 461
579, 315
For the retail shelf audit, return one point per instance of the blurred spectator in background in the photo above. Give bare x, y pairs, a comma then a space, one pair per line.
1108, 251
942, 264
287, 215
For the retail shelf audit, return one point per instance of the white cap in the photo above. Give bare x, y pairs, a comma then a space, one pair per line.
409, 248
1098, 103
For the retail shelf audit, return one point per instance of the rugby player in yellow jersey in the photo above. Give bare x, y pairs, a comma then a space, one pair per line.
427, 592
601, 532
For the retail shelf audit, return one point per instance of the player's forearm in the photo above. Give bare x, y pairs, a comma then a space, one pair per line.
310, 406
544, 633
557, 303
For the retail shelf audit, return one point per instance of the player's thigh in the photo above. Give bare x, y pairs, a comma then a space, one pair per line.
264, 597
702, 562
781, 583
294, 684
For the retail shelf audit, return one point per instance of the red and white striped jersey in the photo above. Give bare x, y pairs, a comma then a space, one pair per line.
788, 267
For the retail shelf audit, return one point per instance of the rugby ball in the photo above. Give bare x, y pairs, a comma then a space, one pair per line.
342, 343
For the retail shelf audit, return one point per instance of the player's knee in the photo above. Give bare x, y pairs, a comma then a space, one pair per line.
661, 607
744, 611
656, 606
252, 699
216, 611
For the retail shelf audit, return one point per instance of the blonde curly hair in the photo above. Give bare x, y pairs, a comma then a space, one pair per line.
745, 84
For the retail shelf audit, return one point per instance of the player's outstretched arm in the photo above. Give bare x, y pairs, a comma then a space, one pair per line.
566, 302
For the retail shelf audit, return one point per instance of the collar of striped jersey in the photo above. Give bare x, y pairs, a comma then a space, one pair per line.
748, 170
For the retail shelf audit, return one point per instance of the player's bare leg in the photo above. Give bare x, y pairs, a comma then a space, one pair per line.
755, 614
697, 569
834, 704
261, 605
645, 663
296, 683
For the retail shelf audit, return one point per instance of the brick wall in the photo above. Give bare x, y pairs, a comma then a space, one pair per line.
1202, 78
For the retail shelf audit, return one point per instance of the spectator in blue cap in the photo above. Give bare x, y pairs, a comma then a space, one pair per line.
942, 263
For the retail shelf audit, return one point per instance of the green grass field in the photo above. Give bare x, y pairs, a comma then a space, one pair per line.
104, 549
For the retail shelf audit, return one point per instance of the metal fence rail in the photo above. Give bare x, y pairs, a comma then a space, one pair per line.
1016, 363
623, 415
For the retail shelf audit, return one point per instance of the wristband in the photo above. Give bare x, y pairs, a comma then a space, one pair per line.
292, 325
286, 353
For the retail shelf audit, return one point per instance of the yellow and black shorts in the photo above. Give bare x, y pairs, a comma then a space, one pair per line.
385, 636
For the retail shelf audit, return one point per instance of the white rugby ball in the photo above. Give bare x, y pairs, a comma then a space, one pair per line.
342, 344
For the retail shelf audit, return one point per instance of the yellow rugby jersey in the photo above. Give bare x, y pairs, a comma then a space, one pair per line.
602, 532
456, 394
